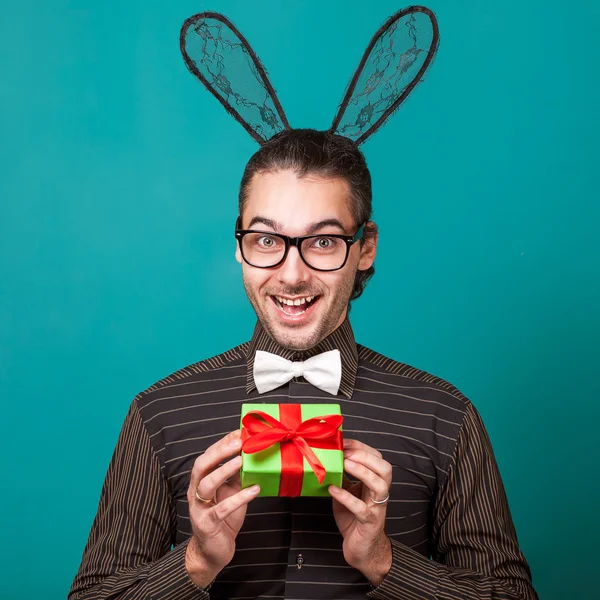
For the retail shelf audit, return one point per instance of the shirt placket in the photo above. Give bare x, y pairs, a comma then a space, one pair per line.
300, 555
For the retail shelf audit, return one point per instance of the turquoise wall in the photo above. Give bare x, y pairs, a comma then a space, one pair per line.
118, 188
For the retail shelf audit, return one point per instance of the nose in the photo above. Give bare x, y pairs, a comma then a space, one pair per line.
294, 270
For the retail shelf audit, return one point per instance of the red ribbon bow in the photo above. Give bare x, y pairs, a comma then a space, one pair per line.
297, 438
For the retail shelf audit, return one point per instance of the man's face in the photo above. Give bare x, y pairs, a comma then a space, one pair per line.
280, 202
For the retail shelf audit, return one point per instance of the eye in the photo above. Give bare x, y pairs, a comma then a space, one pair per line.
267, 242
324, 243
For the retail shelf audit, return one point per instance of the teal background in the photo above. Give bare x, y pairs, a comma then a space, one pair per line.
118, 185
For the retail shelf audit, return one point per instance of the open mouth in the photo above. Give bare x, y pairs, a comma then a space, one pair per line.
293, 307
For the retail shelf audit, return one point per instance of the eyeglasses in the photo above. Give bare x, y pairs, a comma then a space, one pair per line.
321, 252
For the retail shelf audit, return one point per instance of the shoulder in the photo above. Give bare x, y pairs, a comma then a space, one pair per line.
228, 365
386, 375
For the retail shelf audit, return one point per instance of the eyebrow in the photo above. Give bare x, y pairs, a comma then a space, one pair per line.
325, 223
275, 226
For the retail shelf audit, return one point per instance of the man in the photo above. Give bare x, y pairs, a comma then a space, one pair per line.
423, 512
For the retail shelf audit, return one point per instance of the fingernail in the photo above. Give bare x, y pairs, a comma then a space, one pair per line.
333, 489
350, 463
253, 490
346, 443
235, 443
237, 460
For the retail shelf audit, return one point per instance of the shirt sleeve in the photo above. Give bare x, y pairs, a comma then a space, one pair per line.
476, 554
128, 554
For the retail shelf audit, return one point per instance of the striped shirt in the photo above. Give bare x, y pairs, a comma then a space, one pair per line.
448, 519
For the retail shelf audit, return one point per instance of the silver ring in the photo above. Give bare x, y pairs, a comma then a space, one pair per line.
380, 501
201, 499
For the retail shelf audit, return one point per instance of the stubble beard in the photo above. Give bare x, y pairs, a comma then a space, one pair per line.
285, 335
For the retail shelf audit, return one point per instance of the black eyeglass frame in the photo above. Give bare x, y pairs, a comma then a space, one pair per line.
297, 242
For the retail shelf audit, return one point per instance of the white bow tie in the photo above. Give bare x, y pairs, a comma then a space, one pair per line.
323, 371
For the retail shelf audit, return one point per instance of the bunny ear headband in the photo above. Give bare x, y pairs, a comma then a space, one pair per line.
393, 63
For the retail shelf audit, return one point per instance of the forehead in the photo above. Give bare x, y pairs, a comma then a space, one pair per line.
297, 201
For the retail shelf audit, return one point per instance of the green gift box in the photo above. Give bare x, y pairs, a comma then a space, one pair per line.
288, 448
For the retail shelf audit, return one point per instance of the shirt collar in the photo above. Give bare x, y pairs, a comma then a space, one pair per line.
341, 339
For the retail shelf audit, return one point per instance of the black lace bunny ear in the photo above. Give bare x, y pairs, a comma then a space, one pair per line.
221, 58
392, 65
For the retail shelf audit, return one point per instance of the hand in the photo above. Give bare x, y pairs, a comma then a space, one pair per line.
361, 522
215, 524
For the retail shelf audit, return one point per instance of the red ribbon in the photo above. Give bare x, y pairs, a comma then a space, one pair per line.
296, 438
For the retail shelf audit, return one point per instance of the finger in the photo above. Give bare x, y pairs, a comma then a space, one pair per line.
213, 455
232, 438
208, 486
350, 444
355, 505
232, 435
378, 465
219, 512
377, 487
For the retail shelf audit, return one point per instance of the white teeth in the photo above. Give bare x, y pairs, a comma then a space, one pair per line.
296, 302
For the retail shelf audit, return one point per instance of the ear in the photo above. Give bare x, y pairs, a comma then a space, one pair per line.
369, 248
219, 56
393, 64
238, 253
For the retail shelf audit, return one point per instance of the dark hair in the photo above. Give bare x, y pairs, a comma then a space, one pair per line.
322, 153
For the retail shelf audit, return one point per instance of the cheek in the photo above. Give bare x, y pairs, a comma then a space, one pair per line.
336, 280
255, 278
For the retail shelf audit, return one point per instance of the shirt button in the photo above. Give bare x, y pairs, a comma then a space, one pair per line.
299, 561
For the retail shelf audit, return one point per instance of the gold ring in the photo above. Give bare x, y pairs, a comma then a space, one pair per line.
380, 501
201, 499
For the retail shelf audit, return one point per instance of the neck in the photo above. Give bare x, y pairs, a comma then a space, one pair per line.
316, 345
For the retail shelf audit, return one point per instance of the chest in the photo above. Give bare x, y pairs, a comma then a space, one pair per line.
410, 442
